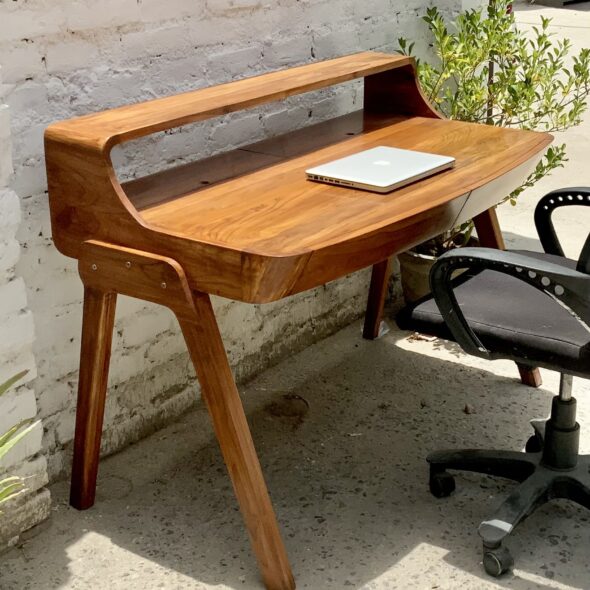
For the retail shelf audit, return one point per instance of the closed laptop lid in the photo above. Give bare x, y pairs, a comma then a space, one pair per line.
382, 166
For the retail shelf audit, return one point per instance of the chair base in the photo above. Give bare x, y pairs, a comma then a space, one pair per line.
539, 484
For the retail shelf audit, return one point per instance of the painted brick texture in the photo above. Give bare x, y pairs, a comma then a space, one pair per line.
64, 58
17, 334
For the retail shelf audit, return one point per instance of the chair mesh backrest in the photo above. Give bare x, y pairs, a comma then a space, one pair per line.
584, 261
547, 234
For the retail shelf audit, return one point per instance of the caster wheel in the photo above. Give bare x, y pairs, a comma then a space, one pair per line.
442, 484
534, 444
497, 561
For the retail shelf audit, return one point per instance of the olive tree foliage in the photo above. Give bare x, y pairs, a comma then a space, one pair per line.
487, 70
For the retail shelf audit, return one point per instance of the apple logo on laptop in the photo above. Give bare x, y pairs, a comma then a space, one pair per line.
382, 163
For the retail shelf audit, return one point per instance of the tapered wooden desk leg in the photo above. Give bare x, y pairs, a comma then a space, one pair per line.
376, 300
95, 354
222, 399
490, 236
530, 376
488, 230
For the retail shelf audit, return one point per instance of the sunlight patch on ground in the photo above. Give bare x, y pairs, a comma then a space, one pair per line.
106, 556
542, 582
425, 567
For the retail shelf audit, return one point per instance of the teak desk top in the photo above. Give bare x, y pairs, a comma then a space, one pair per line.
247, 225
276, 212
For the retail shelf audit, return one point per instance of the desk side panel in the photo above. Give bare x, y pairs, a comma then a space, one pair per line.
83, 199
397, 91
87, 203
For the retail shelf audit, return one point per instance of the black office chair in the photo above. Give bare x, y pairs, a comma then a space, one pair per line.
535, 309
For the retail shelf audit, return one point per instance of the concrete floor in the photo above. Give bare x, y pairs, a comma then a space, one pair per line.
347, 476
344, 460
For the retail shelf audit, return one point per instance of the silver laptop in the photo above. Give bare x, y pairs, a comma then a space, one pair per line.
381, 169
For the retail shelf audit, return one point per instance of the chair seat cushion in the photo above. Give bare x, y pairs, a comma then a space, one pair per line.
511, 319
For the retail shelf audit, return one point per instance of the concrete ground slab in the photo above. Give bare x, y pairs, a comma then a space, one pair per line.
344, 460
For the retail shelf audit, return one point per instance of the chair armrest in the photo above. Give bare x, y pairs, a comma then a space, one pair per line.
569, 287
544, 209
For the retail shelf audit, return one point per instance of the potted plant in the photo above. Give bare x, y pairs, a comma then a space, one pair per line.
489, 71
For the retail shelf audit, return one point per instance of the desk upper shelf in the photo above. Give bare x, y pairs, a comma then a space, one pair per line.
128, 122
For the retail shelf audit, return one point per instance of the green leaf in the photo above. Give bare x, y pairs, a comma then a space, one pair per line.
14, 435
10, 487
489, 71
4, 387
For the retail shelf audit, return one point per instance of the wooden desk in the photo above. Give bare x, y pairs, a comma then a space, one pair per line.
247, 225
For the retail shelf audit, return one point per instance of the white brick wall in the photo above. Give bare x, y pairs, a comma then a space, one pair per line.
62, 58
16, 338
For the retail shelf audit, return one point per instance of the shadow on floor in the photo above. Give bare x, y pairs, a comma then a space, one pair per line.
348, 479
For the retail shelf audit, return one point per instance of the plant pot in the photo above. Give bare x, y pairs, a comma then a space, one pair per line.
414, 271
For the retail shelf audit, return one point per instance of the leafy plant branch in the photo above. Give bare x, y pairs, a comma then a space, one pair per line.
486, 70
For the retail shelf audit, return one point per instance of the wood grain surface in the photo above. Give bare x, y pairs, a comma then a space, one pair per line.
137, 120
380, 275
276, 211
248, 225
95, 356
107, 270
